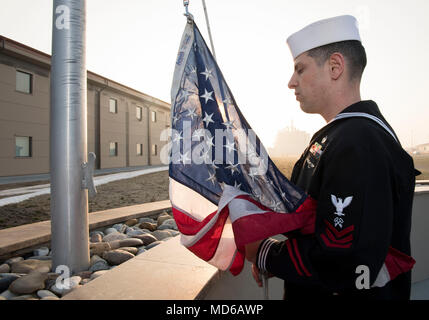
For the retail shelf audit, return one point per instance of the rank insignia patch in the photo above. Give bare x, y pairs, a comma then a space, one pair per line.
316, 150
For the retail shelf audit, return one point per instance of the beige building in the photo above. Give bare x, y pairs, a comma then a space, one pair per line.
124, 125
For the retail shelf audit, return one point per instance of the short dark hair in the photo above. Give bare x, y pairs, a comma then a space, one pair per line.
352, 50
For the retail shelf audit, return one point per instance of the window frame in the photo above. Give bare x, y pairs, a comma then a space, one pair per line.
31, 77
30, 147
138, 108
141, 149
116, 105
154, 151
153, 116
116, 149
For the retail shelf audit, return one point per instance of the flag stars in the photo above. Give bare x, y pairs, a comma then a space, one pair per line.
276, 205
178, 137
253, 175
207, 73
230, 146
237, 186
212, 178
208, 118
191, 113
184, 158
233, 168
207, 95
229, 124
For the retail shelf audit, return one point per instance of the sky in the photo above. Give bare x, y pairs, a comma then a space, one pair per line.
135, 42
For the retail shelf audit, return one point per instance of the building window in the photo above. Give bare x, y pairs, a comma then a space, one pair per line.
154, 149
139, 113
139, 149
113, 149
24, 82
153, 116
23, 146
113, 105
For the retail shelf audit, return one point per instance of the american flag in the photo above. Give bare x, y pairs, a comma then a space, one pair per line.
224, 189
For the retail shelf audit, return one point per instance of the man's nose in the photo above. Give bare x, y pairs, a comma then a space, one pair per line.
292, 82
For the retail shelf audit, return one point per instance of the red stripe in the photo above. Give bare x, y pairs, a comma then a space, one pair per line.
341, 233
398, 262
260, 226
334, 245
333, 239
289, 248
295, 245
205, 248
237, 264
187, 225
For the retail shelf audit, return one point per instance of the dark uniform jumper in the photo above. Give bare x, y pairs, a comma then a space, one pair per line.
363, 182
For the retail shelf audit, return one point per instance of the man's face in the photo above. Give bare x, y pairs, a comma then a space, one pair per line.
311, 83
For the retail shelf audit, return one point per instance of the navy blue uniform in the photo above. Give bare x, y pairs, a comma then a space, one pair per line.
363, 181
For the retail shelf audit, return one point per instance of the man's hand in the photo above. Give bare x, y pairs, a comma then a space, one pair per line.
252, 250
256, 275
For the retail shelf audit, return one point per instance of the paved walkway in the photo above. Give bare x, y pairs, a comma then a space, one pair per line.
25, 193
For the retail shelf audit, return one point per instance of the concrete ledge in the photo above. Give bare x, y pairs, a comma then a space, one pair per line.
25, 236
168, 271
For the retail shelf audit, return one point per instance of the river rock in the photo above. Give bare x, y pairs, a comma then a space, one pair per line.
96, 237
171, 223
99, 265
133, 233
141, 250
131, 222
43, 251
85, 281
117, 256
161, 234
101, 233
131, 242
132, 250
162, 217
115, 244
146, 238
40, 258
13, 260
153, 244
109, 231
98, 274
84, 274
45, 293
99, 247
114, 236
8, 294
165, 239
120, 227
29, 283
173, 232
4, 268
147, 219
50, 298
28, 266
94, 259
148, 225
5, 282
25, 297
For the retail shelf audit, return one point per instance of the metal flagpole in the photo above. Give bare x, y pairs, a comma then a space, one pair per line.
68, 137
208, 29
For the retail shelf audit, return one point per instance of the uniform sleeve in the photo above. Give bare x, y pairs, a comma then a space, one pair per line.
353, 223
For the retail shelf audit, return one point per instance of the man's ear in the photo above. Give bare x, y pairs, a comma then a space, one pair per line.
336, 65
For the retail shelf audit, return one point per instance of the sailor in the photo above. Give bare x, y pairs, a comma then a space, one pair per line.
356, 169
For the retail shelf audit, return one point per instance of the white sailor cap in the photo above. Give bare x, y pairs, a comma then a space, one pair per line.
323, 32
